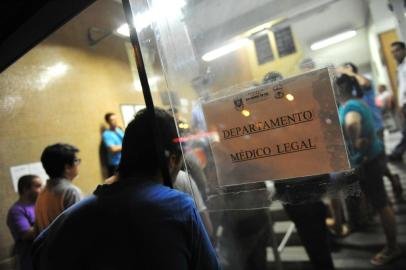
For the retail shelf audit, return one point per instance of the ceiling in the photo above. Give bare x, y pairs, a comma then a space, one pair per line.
211, 22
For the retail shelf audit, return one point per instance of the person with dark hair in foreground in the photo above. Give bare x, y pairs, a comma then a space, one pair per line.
367, 153
21, 218
135, 222
61, 163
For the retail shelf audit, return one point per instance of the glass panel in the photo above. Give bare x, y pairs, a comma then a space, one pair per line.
212, 79
226, 80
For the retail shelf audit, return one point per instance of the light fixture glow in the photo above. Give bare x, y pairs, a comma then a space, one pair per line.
153, 81
290, 97
123, 30
50, 73
161, 9
246, 113
332, 40
183, 125
210, 56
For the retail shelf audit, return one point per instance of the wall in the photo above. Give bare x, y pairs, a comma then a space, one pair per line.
287, 65
352, 50
381, 20
59, 92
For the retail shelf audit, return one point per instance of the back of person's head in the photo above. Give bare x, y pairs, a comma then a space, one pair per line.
307, 64
348, 86
107, 116
173, 110
352, 66
272, 76
138, 154
399, 44
55, 157
381, 88
25, 182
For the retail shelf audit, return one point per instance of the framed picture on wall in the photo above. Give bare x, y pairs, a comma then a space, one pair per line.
128, 112
263, 49
284, 41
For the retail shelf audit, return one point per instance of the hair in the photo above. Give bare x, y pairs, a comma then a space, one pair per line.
138, 154
307, 63
107, 116
173, 110
25, 182
56, 156
399, 44
348, 87
354, 67
272, 76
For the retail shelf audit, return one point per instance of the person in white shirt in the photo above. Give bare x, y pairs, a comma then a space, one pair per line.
399, 53
384, 100
186, 184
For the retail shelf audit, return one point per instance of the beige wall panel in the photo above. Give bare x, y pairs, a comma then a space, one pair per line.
59, 92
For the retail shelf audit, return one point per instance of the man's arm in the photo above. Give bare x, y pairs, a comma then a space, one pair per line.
114, 148
20, 223
30, 234
353, 128
362, 80
110, 144
204, 255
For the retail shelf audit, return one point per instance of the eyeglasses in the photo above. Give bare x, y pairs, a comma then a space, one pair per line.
77, 161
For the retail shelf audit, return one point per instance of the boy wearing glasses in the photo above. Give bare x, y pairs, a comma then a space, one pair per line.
61, 163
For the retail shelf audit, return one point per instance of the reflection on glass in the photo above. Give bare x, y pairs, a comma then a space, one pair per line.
50, 73
212, 55
333, 40
246, 113
290, 97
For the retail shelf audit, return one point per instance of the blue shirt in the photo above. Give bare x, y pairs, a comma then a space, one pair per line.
113, 138
375, 146
127, 225
369, 98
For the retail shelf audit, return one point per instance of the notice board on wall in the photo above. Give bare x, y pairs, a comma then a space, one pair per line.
284, 41
34, 168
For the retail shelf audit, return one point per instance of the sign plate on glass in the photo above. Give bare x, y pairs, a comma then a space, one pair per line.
277, 131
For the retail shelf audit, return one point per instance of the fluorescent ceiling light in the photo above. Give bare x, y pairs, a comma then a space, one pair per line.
210, 56
161, 9
332, 40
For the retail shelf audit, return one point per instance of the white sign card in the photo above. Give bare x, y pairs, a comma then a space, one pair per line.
277, 131
128, 112
31, 168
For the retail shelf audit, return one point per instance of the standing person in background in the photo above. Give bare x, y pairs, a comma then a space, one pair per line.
367, 154
368, 96
399, 53
61, 163
113, 140
21, 219
386, 103
187, 184
384, 100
